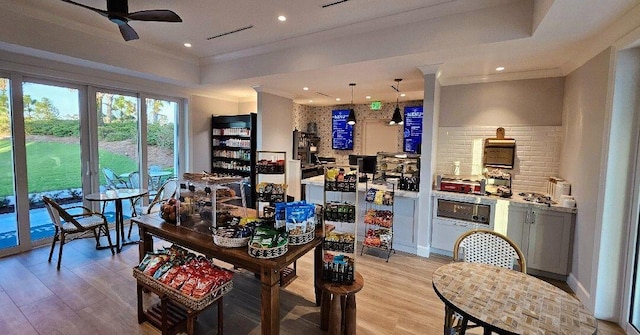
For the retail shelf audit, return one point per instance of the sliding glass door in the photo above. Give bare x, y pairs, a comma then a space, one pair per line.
8, 222
161, 138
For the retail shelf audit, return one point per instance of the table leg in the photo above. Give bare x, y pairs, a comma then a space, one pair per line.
335, 316
350, 315
270, 301
119, 224
317, 272
324, 310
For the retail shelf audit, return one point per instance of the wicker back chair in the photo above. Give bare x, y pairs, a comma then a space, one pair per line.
489, 247
166, 191
485, 247
67, 224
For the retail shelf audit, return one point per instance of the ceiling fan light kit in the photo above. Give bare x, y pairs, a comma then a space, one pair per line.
118, 13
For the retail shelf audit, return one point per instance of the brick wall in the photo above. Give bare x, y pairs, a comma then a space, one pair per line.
537, 153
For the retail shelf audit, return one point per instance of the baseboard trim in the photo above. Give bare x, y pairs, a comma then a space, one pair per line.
581, 293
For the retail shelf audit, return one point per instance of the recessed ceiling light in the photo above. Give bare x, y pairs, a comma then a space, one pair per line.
187, 45
282, 18
403, 95
310, 100
305, 88
500, 68
368, 97
337, 99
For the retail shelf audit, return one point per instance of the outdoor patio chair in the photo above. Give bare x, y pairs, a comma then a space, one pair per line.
113, 181
485, 247
73, 224
166, 191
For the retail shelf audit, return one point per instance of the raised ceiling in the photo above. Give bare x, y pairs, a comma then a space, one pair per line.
369, 42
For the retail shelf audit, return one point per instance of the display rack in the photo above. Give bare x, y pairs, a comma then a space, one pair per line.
340, 223
271, 181
401, 166
378, 219
208, 201
233, 148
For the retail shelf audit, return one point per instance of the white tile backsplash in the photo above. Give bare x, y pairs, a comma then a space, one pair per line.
537, 153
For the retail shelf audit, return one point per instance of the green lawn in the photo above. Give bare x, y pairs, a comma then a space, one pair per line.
54, 166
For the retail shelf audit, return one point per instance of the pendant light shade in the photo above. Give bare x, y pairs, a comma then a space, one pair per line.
397, 116
351, 120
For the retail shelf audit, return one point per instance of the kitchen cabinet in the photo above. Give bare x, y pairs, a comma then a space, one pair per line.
543, 235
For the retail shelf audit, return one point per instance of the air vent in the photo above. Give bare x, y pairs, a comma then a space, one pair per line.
334, 3
230, 32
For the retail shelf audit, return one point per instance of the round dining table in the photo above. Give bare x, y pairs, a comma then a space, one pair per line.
510, 302
117, 195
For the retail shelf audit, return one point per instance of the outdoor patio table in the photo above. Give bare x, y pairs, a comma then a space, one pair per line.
118, 195
504, 301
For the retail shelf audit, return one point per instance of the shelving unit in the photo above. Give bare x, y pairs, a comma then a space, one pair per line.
233, 148
305, 147
271, 180
402, 166
378, 219
340, 223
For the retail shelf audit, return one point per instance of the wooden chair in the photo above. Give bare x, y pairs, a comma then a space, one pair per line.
68, 224
485, 247
166, 191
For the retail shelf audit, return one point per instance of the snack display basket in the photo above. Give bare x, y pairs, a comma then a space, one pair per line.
302, 238
230, 242
268, 252
177, 296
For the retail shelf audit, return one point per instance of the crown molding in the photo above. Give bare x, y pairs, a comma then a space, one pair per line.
537, 74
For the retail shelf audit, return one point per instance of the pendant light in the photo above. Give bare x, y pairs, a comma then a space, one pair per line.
397, 117
352, 114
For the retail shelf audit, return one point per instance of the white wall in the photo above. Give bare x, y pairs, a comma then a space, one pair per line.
275, 123
200, 113
623, 141
505, 103
537, 152
584, 111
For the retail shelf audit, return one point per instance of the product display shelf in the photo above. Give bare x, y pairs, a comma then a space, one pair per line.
271, 180
233, 147
378, 219
206, 199
340, 212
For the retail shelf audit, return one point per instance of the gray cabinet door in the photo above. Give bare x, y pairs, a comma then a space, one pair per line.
518, 227
550, 241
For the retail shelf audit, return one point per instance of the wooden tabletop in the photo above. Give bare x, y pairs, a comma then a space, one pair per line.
510, 302
342, 289
116, 194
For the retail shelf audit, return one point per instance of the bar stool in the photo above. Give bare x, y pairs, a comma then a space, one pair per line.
338, 306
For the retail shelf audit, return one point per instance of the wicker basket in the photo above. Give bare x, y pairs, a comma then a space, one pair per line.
268, 252
231, 242
177, 296
302, 238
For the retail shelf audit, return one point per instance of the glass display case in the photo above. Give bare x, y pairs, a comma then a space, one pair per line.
402, 168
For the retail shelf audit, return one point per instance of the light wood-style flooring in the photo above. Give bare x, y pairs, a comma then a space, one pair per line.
95, 293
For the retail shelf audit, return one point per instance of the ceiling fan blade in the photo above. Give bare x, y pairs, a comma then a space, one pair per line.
127, 32
163, 15
99, 11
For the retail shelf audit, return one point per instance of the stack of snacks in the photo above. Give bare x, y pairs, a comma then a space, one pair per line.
268, 242
379, 197
337, 179
378, 238
338, 269
190, 275
265, 166
235, 234
383, 218
299, 219
342, 242
271, 192
342, 212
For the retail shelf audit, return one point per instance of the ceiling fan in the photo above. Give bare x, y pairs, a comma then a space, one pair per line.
118, 13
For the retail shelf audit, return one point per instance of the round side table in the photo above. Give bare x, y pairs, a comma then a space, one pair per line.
338, 307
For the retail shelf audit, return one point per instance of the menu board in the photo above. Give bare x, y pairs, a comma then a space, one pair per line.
342, 133
412, 129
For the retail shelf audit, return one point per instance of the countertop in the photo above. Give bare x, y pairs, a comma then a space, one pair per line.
515, 200
319, 181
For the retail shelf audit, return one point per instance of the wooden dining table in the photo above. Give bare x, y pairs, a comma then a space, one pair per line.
510, 302
269, 270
